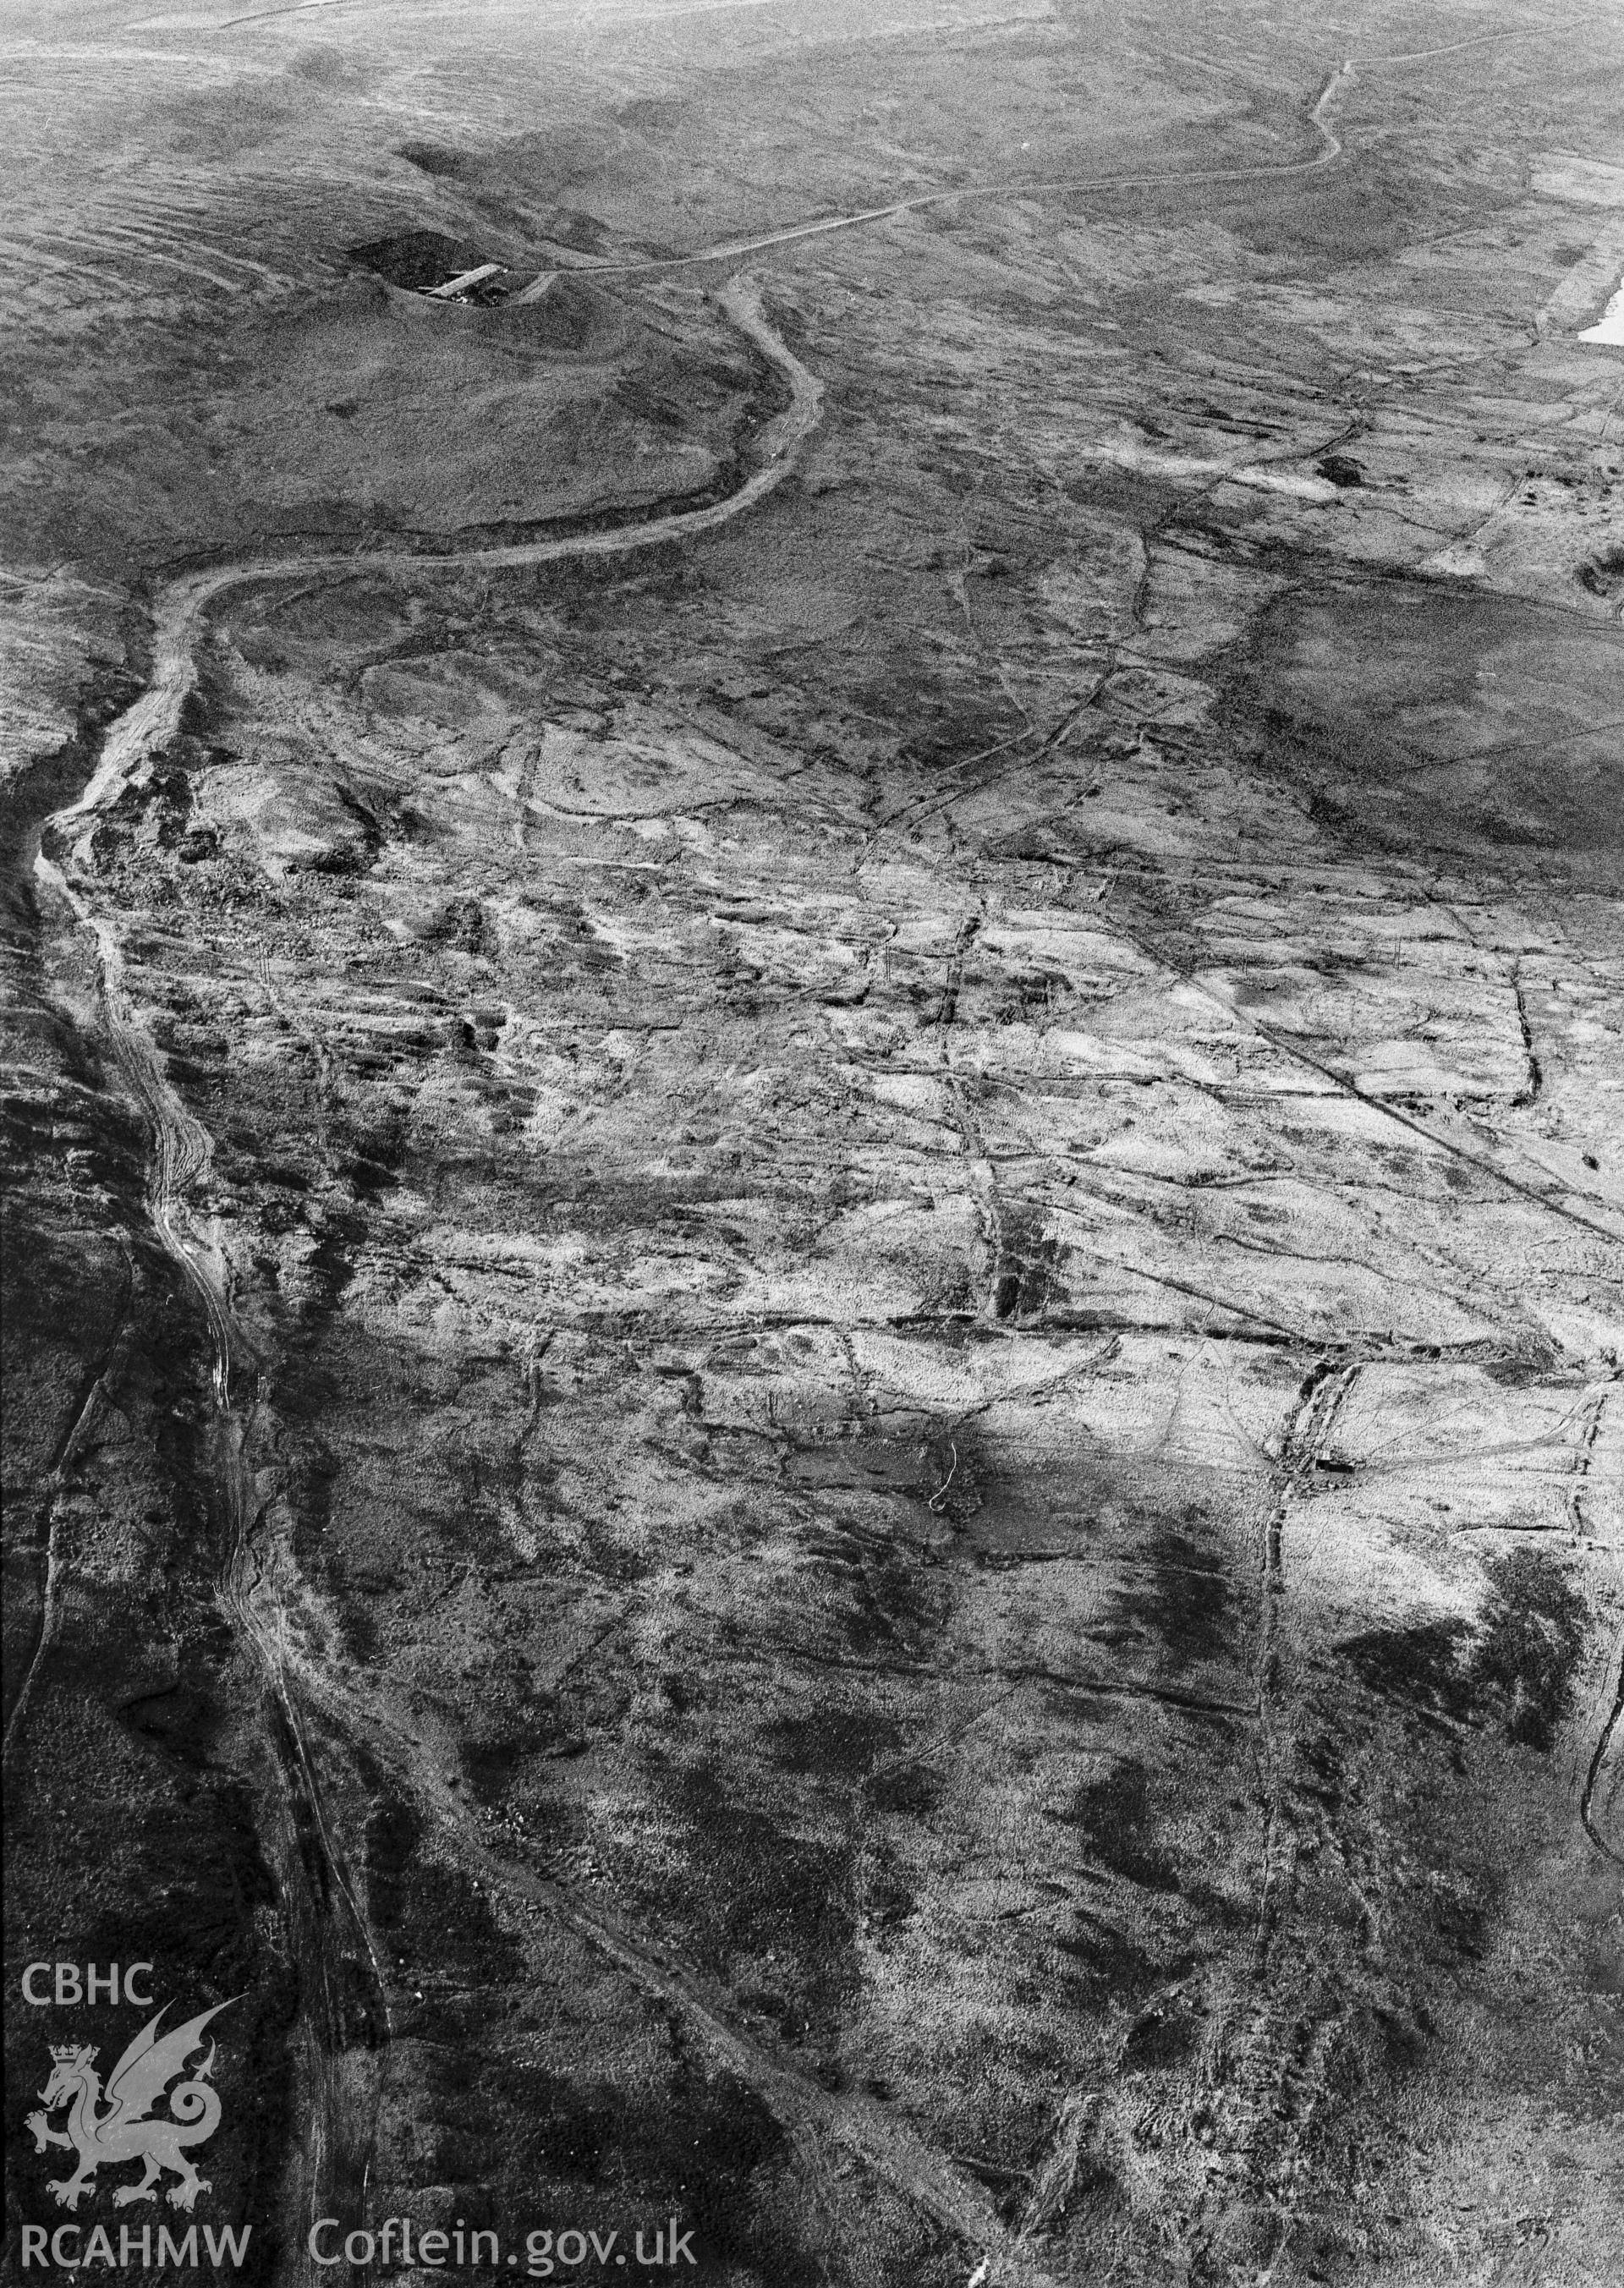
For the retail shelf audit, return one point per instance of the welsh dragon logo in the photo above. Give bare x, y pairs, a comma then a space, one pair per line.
125, 2129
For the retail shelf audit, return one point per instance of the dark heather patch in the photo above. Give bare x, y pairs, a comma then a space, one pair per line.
1533, 1358
1460, 1912
697, 2143
887, 1601
1114, 1814
493, 1763
1519, 1673
441, 1919
1420, 1667
559, 2127
717, 2137
833, 1743
197, 1924
1184, 1601
392, 1836
434, 159
194, 1923
181, 1720
418, 259
754, 1888
1533, 1644
1028, 1266
1163, 2035
908, 1789
1603, 575
1109, 1964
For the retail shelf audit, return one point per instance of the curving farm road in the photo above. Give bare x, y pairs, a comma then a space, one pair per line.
258, 1579
182, 604
258, 1573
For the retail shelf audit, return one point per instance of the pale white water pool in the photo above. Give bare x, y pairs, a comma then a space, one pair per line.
1610, 328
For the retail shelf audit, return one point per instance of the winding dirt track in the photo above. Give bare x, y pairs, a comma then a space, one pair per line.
182, 604
257, 1575
737, 249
